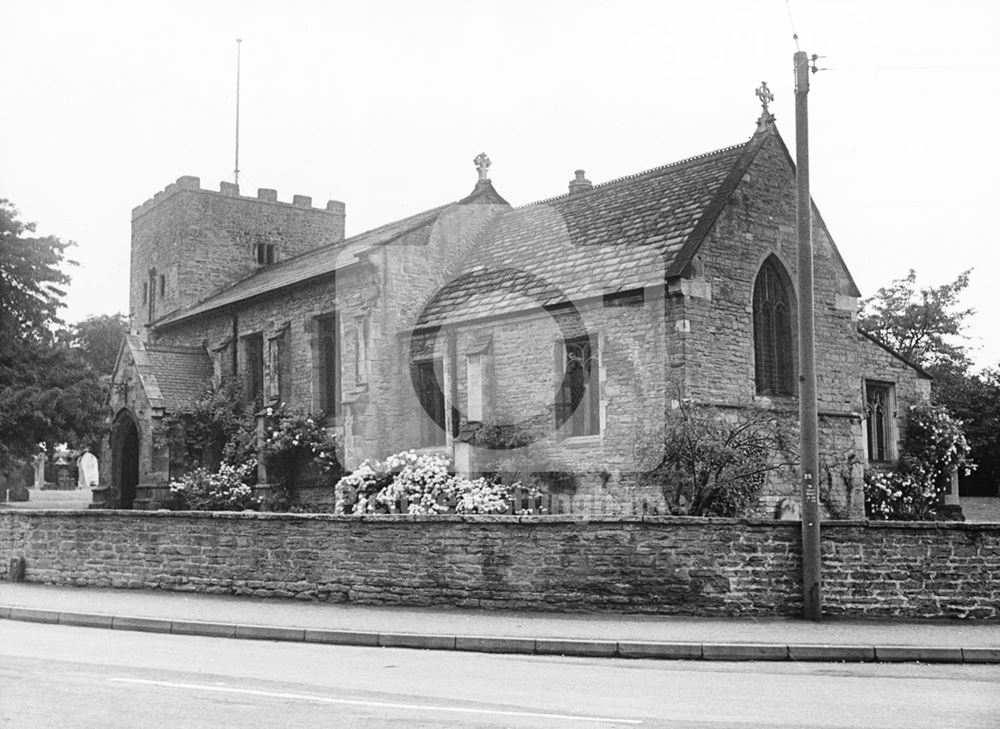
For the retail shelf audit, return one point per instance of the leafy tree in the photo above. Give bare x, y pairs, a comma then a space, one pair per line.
975, 400
98, 339
48, 391
922, 325
48, 394
925, 326
32, 282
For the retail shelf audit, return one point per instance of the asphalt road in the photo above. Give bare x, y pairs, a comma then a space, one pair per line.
67, 677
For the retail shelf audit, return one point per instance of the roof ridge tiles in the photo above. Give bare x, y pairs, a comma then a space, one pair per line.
635, 175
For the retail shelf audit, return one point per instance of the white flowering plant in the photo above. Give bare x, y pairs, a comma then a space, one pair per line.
228, 489
415, 483
294, 440
934, 447
892, 494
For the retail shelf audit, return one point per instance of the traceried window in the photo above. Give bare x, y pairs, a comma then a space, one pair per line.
879, 418
772, 332
578, 400
427, 379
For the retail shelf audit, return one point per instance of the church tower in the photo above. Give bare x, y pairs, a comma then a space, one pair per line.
189, 243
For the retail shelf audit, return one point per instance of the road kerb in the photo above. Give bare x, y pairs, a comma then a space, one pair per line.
492, 644
915, 653
744, 652
268, 632
567, 647
144, 625
207, 629
498, 644
340, 637
852, 653
86, 620
416, 640
663, 650
981, 655
34, 615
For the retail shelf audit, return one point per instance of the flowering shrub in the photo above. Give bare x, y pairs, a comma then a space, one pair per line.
892, 494
934, 447
225, 490
424, 482
294, 441
936, 442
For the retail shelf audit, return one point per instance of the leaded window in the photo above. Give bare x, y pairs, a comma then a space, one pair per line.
578, 400
772, 332
878, 419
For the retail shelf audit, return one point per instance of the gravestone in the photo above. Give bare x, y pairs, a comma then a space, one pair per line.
12, 486
39, 466
88, 471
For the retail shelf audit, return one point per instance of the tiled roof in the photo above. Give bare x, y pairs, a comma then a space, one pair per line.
621, 235
182, 374
309, 265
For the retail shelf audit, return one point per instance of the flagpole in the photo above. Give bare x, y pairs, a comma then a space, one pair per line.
236, 171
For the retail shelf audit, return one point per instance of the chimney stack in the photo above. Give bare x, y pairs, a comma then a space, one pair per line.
580, 184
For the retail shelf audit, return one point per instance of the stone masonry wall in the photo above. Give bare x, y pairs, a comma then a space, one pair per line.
757, 222
202, 241
661, 565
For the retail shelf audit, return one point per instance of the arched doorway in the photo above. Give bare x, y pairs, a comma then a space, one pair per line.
125, 459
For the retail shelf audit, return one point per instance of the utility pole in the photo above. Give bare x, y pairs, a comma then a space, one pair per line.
812, 598
236, 171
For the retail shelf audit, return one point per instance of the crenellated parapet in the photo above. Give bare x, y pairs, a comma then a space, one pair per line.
231, 190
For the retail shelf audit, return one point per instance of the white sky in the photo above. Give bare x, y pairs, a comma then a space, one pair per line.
384, 104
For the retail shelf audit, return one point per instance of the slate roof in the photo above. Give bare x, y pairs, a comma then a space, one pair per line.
312, 264
182, 373
623, 234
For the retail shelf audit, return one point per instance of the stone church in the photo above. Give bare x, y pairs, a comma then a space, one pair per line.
574, 322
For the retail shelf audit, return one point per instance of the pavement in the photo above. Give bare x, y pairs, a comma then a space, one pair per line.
595, 635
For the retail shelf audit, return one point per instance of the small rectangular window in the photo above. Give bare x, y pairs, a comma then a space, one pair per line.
163, 284
265, 253
578, 400
145, 292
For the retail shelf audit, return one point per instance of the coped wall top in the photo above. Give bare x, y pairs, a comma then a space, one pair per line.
228, 189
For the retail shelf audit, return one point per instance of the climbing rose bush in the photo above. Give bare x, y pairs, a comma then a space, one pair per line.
934, 447
226, 490
935, 441
891, 494
425, 481
294, 438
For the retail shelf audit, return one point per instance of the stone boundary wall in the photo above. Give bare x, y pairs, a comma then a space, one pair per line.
663, 565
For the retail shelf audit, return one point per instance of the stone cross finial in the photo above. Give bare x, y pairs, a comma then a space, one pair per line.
482, 163
765, 95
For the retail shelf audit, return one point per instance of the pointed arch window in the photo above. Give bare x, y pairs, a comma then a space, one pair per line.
772, 331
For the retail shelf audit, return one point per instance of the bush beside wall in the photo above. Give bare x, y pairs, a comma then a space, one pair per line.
662, 565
